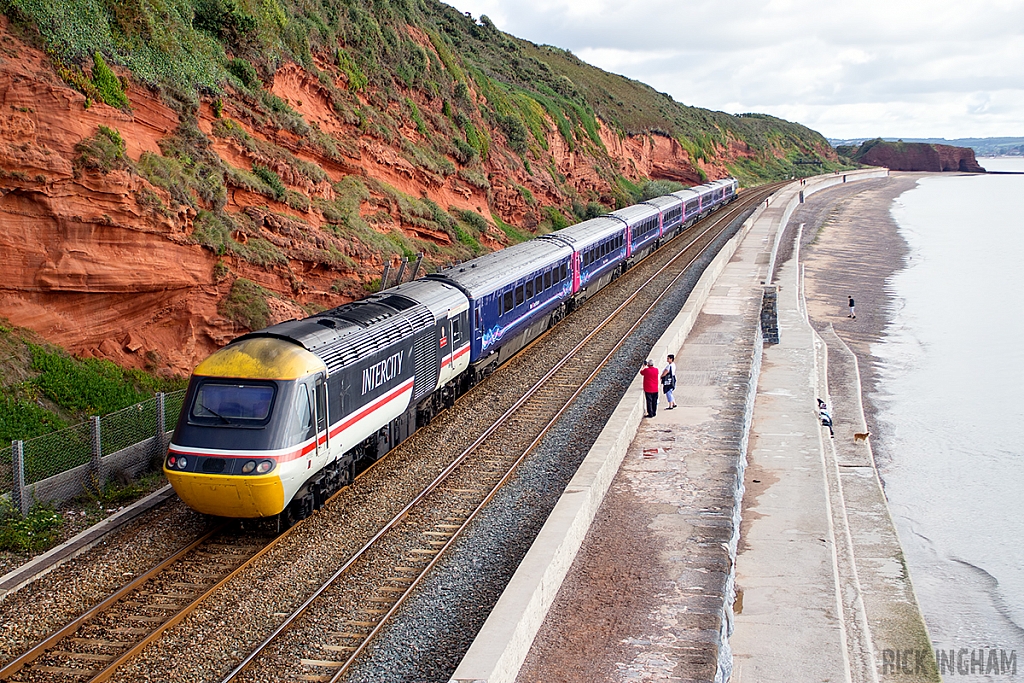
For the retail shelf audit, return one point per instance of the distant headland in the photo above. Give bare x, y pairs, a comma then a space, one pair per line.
913, 156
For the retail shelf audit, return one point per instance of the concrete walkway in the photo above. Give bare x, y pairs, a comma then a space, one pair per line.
786, 569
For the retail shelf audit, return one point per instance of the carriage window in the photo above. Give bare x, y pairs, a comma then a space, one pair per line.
508, 301
565, 271
519, 295
547, 280
456, 330
538, 284
529, 289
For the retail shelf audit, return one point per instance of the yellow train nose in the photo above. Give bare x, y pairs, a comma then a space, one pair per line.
228, 496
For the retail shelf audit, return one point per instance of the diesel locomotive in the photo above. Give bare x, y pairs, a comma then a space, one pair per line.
280, 418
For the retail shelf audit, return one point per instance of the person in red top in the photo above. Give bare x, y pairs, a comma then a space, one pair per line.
652, 384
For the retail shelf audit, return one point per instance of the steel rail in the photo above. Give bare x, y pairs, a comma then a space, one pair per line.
46, 644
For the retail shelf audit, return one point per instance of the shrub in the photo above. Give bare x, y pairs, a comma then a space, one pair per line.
246, 304
103, 152
557, 219
21, 419
272, 180
108, 85
90, 385
245, 72
37, 531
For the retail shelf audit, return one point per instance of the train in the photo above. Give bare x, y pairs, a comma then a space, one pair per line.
277, 420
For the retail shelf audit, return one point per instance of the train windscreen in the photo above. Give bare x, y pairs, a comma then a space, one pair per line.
230, 402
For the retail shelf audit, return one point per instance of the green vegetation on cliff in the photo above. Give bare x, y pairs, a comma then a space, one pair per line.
44, 388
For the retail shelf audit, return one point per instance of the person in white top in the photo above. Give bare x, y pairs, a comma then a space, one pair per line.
668, 381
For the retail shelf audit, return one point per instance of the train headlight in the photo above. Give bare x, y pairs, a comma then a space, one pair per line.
248, 467
182, 462
171, 460
265, 466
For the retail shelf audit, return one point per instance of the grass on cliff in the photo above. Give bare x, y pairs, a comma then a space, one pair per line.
45, 389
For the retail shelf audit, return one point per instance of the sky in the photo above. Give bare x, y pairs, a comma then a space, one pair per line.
848, 69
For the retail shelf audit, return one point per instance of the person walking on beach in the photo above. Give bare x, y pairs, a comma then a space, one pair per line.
650, 375
668, 381
853, 313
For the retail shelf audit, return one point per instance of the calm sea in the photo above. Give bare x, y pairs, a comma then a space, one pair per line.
951, 409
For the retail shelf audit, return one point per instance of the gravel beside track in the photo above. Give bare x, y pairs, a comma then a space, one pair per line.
36, 610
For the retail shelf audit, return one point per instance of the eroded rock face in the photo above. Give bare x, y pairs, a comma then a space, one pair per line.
919, 156
107, 264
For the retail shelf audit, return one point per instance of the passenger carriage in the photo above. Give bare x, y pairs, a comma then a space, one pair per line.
514, 296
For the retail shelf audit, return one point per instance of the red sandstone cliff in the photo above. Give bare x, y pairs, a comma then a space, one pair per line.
918, 156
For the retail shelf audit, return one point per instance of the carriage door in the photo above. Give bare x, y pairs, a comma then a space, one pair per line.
322, 422
444, 344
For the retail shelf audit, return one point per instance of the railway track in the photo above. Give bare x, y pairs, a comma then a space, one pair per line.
321, 636
93, 645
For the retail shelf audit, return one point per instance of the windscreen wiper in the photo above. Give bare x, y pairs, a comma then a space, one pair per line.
213, 412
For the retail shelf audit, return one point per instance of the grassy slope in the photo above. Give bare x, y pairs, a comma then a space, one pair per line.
400, 61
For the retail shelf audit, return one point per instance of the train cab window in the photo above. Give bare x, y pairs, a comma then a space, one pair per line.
508, 302
529, 289
519, 295
547, 280
232, 403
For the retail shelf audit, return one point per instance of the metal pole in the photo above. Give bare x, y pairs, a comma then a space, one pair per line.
161, 414
416, 267
19, 493
384, 277
97, 453
401, 270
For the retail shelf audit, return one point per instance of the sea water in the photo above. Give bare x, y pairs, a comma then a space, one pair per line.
950, 399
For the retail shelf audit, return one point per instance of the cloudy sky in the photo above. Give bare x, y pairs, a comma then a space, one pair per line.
853, 68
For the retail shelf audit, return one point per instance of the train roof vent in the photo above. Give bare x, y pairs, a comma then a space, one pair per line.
327, 322
363, 313
399, 303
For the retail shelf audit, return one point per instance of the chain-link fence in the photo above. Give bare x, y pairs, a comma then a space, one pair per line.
59, 466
